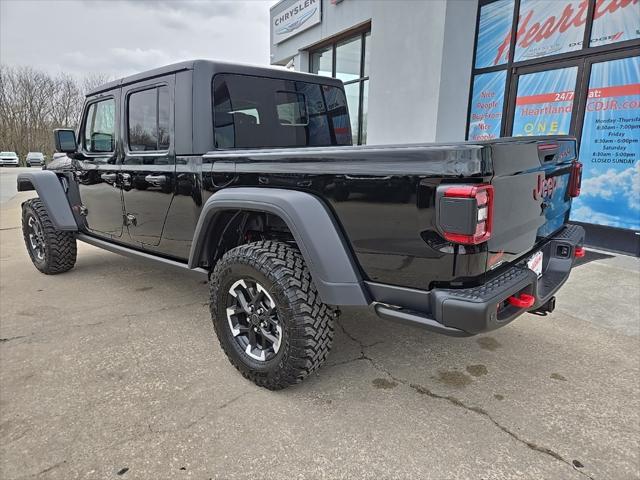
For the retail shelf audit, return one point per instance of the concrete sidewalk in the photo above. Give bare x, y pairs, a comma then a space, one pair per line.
113, 371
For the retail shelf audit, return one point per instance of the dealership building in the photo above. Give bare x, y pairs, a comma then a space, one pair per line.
454, 70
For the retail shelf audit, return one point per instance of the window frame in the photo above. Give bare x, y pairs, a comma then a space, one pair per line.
364, 33
127, 144
83, 126
580, 57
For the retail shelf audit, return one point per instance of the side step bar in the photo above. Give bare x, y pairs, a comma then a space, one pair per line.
137, 254
418, 320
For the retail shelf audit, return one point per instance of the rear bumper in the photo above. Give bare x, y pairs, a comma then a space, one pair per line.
469, 311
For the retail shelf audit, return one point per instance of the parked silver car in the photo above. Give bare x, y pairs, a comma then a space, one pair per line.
34, 158
9, 158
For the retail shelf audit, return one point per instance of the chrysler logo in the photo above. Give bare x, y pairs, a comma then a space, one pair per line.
290, 27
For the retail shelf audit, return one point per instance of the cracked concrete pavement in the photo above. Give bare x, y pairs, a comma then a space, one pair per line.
112, 371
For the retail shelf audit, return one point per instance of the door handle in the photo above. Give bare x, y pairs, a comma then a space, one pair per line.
157, 180
108, 177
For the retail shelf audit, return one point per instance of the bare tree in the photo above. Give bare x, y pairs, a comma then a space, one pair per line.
33, 103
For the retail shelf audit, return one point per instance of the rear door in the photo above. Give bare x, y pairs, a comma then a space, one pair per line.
147, 175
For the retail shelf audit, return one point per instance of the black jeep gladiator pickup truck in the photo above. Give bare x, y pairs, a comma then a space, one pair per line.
247, 175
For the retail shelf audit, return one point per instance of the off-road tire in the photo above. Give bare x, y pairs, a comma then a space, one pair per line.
59, 246
307, 323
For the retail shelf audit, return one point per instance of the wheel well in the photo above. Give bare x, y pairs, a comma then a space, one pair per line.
24, 185
231, 228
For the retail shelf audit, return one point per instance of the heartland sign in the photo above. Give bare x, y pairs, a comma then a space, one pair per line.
295, 18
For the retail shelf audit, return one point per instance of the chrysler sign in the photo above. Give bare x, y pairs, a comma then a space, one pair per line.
295, 18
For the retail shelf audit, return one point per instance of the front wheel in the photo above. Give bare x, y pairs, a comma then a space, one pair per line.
52, 251
267, 314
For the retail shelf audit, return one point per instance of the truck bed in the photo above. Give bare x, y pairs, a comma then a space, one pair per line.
385, 199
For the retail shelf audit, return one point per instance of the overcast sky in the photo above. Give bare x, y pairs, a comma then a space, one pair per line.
121, 37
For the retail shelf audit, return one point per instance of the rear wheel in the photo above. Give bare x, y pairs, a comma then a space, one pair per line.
267, 315
52, 251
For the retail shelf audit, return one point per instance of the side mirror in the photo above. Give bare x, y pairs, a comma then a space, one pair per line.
65, 140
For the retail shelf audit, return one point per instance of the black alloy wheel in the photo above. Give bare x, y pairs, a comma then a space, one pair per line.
36, 239
253, 319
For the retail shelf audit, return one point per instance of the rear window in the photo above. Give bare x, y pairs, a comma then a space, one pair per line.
258, 112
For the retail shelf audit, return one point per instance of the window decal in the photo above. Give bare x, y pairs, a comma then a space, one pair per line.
548, 27
615, 21
610, 147
486, 105
544, 102
494, 26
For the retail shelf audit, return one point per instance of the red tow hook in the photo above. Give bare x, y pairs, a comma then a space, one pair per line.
523, 301
580, 252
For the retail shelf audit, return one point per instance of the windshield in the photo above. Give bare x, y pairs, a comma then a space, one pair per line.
8, 154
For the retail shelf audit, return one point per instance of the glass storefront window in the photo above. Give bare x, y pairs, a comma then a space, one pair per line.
567, 53
615, 21
322, 62
348, 56
367, 53
494, 33
610, 147
549, 27
353, 100
365, 104
486, 105
544, 102
352, 67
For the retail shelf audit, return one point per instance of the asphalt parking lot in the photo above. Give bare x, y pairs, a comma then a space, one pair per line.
112, 371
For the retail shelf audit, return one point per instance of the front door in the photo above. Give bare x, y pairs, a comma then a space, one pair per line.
98, 167
148, 167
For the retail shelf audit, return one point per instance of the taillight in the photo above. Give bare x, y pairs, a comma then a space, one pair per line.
575, 180
465, 213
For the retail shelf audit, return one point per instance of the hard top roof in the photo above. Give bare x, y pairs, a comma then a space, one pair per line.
211, 67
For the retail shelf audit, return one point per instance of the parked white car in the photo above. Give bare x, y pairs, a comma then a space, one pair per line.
9, 158
34, 158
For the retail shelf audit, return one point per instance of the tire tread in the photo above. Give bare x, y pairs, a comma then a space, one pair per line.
61, 251
312, 330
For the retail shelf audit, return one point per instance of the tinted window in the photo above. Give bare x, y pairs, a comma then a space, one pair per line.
148, 120
163, 118
99, 127
291, 108
258, 112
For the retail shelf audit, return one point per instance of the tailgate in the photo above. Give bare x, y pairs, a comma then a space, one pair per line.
531, 194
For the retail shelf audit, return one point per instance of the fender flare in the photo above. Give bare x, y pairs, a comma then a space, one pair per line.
47, 184
316, 231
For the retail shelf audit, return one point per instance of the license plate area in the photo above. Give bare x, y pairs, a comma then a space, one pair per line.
535, 263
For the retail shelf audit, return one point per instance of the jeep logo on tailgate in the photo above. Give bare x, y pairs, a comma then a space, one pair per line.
545, 187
